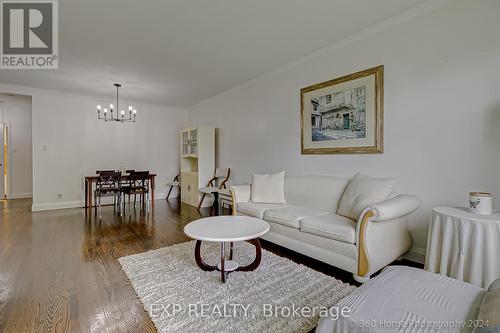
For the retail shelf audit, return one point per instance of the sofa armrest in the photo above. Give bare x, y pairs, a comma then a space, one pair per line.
241, 193
494, 285
400, 205
381, 233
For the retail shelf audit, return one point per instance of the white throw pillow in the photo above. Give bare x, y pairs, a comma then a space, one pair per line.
268, 188
363, 191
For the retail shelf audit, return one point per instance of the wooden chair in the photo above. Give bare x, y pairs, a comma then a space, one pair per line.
173, 183
215, 184
108, 185
126, 183
107, 171
138, 185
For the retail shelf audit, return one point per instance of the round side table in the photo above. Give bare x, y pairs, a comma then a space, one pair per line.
464, 245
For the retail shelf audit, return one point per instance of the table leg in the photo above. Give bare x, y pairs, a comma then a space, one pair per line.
204, 266
222, 259
91, 192
199, 261
152, 185
86, 196
258, 257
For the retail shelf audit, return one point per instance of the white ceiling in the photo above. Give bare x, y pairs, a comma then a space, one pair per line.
180, 52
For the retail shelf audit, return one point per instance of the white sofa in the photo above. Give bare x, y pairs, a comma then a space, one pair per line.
308, 224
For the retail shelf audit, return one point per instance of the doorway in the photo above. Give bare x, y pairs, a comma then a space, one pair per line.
347, 121
16, 167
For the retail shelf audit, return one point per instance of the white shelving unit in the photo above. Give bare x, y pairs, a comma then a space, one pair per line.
197, 162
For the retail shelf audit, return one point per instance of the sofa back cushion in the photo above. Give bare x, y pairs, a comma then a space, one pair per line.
318, 192
364, 191
269, 188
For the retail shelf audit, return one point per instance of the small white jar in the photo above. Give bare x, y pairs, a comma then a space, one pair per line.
480, 203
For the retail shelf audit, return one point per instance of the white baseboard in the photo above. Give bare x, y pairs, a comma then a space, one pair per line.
159, 196
416, 254
26, 195
72, 204
56, 205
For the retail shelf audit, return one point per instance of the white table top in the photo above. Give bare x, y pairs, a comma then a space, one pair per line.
226, 228
465, 213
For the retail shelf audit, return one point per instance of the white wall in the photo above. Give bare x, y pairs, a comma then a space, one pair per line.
78, 144
442, 108
15, 112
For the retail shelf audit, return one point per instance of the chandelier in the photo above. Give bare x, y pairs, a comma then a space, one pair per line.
119, 115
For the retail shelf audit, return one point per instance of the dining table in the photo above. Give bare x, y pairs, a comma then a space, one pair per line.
91, 179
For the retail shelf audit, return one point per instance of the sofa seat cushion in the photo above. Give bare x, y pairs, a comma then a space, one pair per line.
331, 226
291, 215
256, 209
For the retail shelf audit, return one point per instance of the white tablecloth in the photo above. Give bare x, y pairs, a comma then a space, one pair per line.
464, 246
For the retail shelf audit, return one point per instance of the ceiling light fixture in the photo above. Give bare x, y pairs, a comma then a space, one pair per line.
119, 116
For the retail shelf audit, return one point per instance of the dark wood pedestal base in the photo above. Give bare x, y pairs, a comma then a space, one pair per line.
206, 267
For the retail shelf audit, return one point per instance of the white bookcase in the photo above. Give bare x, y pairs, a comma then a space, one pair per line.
197, 162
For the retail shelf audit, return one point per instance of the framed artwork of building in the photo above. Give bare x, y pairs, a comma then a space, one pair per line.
344, 115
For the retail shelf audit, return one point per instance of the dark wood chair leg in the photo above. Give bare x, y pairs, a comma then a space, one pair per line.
169, 191
215, 205
201, 201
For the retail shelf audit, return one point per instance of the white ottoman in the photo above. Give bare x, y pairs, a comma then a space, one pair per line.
406, 299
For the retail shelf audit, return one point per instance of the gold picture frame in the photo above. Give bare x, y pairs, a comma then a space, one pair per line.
344, 115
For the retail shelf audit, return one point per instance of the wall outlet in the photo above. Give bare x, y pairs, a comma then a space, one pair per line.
44, 147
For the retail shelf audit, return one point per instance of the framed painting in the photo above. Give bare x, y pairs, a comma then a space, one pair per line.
344, 115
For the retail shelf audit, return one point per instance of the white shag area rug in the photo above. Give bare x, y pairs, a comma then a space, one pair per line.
279, 296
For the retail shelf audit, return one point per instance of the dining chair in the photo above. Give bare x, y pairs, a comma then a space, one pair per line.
125, 182
215, 184
98, 172
108, 185
174, 183
138, 185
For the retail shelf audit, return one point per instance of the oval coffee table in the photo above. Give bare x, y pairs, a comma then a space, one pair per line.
227, 229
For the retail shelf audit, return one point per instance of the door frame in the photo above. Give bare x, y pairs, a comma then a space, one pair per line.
8, 179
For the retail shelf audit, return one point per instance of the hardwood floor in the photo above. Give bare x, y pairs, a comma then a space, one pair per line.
59, 273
